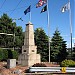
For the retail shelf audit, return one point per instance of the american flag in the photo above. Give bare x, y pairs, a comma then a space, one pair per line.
41, 3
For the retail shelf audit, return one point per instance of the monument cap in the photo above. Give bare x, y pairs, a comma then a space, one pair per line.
29, 23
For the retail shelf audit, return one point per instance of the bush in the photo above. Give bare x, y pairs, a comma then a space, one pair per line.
3, 54
68, 63
8, 54
39, 65
12, 54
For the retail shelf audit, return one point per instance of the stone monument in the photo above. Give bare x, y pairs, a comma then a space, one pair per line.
11, 63
29, 54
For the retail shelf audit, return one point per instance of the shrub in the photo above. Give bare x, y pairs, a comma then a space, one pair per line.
12, 54
3, 54
39, 65
68, 63
15, 54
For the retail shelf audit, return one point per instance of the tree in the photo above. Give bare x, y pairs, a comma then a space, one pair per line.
41, 40
8, 26
73, 52
5, 23
58, 47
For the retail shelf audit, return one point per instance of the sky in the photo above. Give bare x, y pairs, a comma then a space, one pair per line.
15, 10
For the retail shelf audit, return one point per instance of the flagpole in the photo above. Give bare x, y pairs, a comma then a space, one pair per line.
30, 13
30, 16
70, 17
48, 29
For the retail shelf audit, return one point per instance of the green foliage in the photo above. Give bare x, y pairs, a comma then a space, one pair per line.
12, 54
73, 52
68, 63
41, 40
3, 54
74, 49
58, 47
8, 26
8, 54
15, 54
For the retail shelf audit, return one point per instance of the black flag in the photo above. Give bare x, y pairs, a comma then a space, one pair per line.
44, 9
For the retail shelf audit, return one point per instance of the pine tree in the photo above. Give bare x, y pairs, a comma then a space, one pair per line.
58, 47
41, 40
73, 53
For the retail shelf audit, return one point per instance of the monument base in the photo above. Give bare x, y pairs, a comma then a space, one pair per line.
28, 60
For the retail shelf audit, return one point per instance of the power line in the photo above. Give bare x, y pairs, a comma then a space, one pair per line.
2, 4
23, 15
13, 9
16, 7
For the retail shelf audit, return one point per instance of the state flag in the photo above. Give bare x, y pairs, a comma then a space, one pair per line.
41, 3
27, 10
65, 7
44, 9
